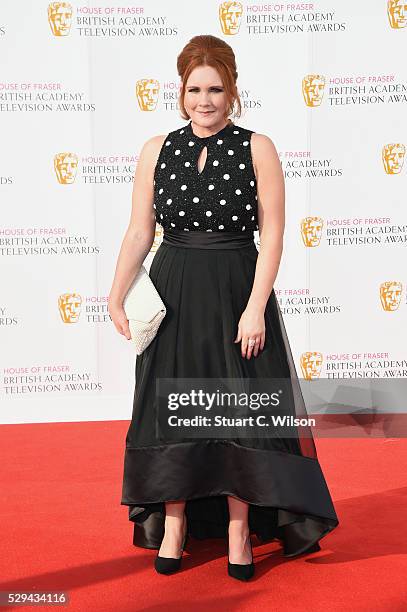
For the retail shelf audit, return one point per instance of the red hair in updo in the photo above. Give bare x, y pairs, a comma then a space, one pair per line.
207, 50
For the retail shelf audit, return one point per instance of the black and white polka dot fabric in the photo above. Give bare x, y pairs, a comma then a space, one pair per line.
220, 198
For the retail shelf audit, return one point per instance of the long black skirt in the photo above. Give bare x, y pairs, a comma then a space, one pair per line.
205, 280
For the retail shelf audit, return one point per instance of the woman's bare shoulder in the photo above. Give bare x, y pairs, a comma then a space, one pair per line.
150, 152
153, 144
262, 142
264, 152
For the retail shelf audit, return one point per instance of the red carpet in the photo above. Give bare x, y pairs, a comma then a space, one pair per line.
63, 529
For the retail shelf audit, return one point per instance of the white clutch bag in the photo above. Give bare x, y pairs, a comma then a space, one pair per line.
144, 309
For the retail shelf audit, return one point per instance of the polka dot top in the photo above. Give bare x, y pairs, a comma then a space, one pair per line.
220, 198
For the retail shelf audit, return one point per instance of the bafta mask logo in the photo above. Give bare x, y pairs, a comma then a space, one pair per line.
66, 165
393, 157
311, 231
230, 14
311, 364
313, 86
157, 238
147, 94
60, 18
390, 295
397, 13
69, 305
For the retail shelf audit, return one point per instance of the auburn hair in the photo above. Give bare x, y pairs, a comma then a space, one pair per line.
207, 50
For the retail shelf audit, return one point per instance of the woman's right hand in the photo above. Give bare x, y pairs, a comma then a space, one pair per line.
119, 319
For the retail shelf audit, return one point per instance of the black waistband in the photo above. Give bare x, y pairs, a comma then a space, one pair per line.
208, 240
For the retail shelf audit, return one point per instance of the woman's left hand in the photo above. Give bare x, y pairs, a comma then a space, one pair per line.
251, 327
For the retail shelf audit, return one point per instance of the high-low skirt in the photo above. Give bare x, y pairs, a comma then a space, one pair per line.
205, 280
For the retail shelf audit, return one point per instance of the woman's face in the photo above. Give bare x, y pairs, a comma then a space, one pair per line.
205, 98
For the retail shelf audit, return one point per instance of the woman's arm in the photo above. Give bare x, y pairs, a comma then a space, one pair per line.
271, 216
139, 235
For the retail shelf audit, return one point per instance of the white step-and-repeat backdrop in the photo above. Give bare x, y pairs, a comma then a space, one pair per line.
84, 84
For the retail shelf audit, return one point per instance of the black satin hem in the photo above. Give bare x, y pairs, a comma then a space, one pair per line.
149, 531
298, 514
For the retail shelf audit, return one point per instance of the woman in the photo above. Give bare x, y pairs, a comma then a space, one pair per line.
210, 184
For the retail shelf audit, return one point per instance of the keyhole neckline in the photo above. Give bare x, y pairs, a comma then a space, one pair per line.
217, 134
206, 159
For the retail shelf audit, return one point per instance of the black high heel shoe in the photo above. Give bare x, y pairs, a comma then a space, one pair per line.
241, 571
169, 565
